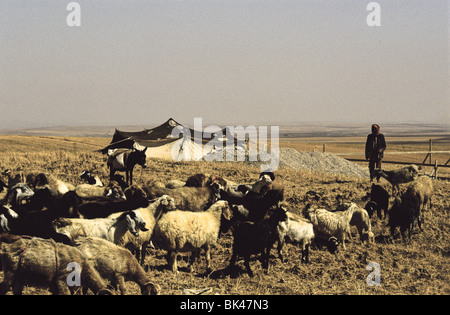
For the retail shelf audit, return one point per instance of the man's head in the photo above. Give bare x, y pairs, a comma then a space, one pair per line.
375, 129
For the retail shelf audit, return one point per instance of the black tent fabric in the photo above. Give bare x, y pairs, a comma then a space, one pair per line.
155, 137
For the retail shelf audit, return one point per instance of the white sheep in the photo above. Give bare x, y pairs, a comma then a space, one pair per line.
112, 228
330, 223
116, 264
188, 231
112, 190
150, 215
361, 220
295, 230
175, 183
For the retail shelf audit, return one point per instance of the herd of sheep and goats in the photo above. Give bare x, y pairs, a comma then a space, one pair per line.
51, 229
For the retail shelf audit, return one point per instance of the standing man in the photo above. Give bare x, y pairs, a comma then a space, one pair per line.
375, 146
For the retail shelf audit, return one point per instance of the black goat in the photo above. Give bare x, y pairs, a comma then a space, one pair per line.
2, 185
256, 205
102, 207
404, 214
37, 224
380, 196
53, 204
256, 238
18, 196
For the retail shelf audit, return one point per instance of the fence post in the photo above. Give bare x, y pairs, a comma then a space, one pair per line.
324, 148
431, 149
435, 169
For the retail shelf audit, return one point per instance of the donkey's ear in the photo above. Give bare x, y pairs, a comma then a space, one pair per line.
145, 149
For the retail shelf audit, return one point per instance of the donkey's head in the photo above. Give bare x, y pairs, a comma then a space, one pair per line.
139, 157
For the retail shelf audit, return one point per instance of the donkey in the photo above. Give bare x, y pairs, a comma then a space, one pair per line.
124, 161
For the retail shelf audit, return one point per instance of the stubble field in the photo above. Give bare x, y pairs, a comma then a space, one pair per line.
420, 267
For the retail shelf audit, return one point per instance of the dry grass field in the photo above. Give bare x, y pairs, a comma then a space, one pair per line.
420, 267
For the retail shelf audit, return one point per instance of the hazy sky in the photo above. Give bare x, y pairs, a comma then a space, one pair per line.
226, 61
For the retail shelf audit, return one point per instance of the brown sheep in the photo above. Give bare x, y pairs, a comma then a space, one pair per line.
44, 263
116, 264
197, 180
187, 198
420, 192
201, 180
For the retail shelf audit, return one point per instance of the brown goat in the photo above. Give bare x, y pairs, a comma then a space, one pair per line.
420, 192
116, 264
276, 185
44, 263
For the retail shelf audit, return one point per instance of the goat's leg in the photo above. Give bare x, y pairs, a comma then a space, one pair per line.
280, 249
397, 188
419, 222
131, 177
305, 253
120, 282
379, 213
247, 265
265, 257
403, 233
143, 252
342, 239
61, 287
17, 286
7, 282
233, 258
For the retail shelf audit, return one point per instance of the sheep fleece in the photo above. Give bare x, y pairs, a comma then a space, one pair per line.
185, 231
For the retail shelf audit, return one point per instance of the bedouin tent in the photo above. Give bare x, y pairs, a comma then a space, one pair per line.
161, 142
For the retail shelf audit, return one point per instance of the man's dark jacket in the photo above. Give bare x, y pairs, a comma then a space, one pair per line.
375, 146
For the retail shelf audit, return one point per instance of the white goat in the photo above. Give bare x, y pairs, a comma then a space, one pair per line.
187, 231
150, 215
90, 179
361, 220
112, 228
295, 230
